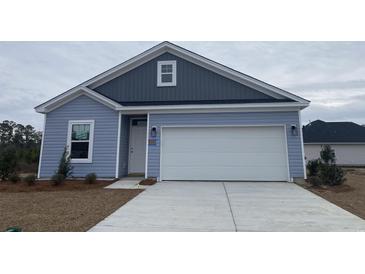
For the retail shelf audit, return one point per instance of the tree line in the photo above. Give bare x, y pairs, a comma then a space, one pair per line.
19, 148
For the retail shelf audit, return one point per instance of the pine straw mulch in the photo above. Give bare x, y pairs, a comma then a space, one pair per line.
73, 206
350, 195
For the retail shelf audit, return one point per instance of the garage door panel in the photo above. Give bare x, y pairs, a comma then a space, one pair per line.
220, 174
205, 159
225, 146
224, 153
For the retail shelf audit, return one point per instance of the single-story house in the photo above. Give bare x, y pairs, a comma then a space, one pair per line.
346, 138
172, 114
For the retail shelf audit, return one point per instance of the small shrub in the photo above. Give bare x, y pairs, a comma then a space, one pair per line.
314, 180
14, 178
64, 166
313, 167
58, 179
328, 155
90, 178
30, 179
331, 175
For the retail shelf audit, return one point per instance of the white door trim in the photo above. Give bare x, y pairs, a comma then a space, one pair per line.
147, 135
130, 134
118, 146
215, 126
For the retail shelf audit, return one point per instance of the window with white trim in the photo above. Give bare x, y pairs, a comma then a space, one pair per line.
166, 73
80, 140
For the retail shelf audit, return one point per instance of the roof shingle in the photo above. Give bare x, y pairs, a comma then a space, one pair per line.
333, 132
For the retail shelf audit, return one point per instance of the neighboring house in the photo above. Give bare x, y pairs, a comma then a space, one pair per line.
172, 114
346, 138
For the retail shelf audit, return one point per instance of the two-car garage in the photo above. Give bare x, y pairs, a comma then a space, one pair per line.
231, 153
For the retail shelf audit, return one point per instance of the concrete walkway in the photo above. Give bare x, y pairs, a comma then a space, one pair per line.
127, 183
229, 206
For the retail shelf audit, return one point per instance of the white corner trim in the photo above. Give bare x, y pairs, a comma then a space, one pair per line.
160, 73
147, 137
290, 179
118, 146
42, 144
302, 144
72, 94
89, 160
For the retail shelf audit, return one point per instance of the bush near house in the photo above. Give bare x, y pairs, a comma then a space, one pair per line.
58, 179
64, 169
324, 171
313, 167
90, 178
14, 178
30, 180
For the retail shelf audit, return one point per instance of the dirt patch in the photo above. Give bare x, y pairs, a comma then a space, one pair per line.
49, 186
74, 206
350, 195
148, 182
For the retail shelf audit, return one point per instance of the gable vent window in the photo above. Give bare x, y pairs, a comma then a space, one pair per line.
166, 73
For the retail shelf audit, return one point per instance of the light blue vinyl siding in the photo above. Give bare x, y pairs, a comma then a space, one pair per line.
124, 146
247, 118
105, 137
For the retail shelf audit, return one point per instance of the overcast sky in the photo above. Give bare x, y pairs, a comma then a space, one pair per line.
330, 74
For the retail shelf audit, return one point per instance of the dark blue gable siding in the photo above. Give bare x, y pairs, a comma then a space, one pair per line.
194, 83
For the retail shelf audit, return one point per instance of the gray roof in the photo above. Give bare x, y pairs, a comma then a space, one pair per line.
333, 132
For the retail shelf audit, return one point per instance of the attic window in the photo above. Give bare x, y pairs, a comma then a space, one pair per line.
166, 73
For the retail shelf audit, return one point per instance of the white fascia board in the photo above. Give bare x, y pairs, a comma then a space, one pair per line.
336, 143
72, 94
210, 108
234, 75
196, 59
282, 106
126, 66
187, 55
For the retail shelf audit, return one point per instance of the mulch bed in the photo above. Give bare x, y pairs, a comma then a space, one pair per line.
73, 206
350, 195
44, 185
148, 182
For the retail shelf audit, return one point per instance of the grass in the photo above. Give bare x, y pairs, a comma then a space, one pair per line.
73, 206
350, 195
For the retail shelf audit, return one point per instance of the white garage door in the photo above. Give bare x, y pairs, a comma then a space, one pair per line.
224, 153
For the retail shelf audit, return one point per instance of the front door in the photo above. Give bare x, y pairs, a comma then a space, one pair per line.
137, 145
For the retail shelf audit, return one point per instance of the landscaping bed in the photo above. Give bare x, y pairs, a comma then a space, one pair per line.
350, 195
72, 206
45, 185
148, 182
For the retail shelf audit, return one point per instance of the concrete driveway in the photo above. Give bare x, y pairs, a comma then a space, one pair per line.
229, 206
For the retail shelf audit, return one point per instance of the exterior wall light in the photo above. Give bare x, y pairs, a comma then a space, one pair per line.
294, 129
153, 131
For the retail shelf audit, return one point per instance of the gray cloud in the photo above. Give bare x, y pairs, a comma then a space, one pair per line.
330, 74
